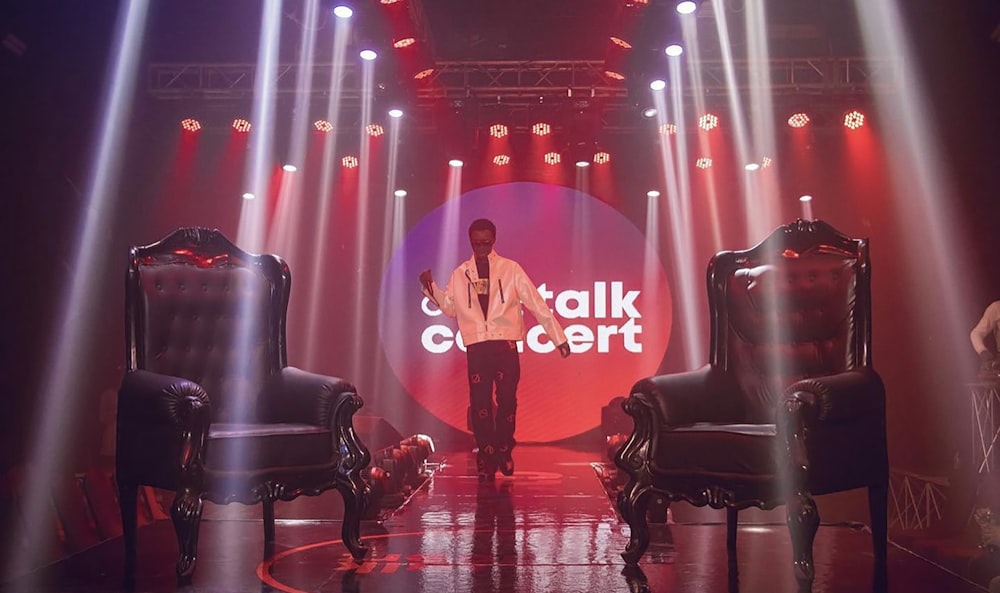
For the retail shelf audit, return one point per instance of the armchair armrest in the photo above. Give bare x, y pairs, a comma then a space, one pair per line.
835, 398
295, 395
708, 394
162, 427
151, 400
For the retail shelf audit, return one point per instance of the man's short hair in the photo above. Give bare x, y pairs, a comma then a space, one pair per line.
483, 224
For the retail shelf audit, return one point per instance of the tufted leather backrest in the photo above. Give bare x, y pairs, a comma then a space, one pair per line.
793, 307
201, 309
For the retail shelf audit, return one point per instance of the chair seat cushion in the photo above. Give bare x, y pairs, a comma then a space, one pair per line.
727, 450
261, 446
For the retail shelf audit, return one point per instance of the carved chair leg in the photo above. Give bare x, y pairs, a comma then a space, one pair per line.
186, 515
732, 522
350, 531
877, 510
127, 496
632, 503
803, 521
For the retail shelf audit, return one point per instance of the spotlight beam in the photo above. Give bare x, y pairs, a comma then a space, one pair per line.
60, 398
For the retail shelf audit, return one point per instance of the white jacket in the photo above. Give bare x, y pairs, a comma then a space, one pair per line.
510, 288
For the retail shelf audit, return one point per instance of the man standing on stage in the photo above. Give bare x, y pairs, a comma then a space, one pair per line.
485, 294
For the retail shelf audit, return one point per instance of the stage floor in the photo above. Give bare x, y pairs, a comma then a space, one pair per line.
550, 528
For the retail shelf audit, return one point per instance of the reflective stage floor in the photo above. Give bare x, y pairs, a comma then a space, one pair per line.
549, 528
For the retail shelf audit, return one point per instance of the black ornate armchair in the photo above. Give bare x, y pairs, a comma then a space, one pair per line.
788, 407
208, 406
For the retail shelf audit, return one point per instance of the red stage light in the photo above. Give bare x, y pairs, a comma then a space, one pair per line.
423, 74
798, 120
374, 130
766, 162
404, 42
708, 122
349, 161
614, 75
501, 159
552, 158
601, 157
190, 124
854, 120
322, 125
389, 1
498, 130
241, 125
541, 129
703, 163
668, 129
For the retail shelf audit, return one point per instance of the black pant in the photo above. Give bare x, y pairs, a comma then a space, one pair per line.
494, 363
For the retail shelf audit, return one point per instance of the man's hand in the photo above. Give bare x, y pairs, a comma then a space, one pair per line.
426, 279
564, 349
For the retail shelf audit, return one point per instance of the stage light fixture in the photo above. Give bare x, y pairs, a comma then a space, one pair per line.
674, 50
854, 120
703, 163
649, 112
404, 42
708, 122
501, 160
395, 113
499, 130
620, 42
349, 162
687, 7
248, 195
798, 120
289, 168
241, 125
422, 74
668, 129
652, 194
387, 2
541, 129
190, 124
766, 162
323, 125
368, 55
552, 158
658, 84
602, 157
342, 11
374, 130
455, 163
399, 193
751, 167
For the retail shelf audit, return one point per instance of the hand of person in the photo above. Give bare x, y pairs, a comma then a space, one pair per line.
426, 279
564, 349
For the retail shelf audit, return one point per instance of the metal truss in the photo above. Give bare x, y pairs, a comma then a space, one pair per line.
985, 424
915, 501
519, 82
